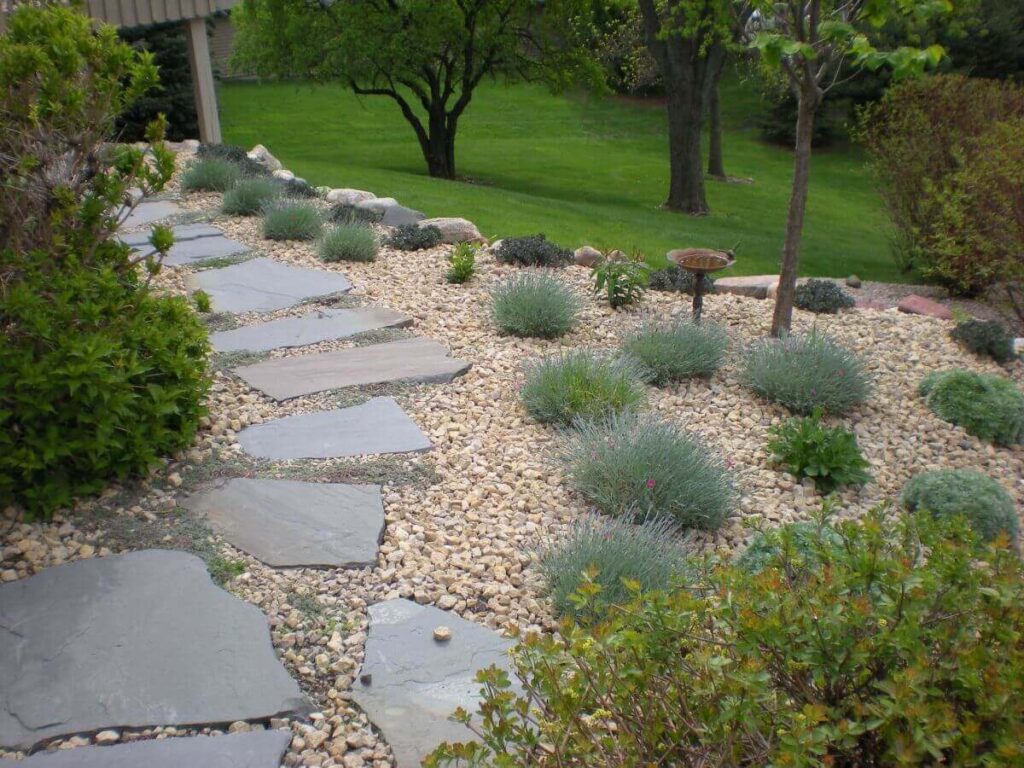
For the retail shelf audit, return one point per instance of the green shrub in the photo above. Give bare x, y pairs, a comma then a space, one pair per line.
202, 301
233, 154
677, 349
822, 296
895, 648
637, 466
462, 263
532, 251
950, 492
806, 372
675, 279
599, 555
986, 337
828, 455
620, 280
800, 543
581, 384
287, 219
249, 197
210, 175
413, 237
348, 242
534, 305
346, 213
988, 407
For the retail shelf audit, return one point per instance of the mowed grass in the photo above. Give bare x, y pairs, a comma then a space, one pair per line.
579, 169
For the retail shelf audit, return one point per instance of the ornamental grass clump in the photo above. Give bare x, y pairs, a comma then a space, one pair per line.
581, 384
249, 197
987, 406
945, 493
534, 305
212, 174
599, 555
287, 219
676, 350
637, 466
806, 372
348, 242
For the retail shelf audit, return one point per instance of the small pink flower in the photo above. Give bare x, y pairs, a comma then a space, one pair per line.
842, 372
814, 391
729, 462
650, 485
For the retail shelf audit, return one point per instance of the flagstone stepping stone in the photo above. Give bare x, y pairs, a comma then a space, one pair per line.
286, 523
919, 305
376, 426
263, 285
133, 640
753, 286
149, 211
322, 325
255, 749
410, 683
421, 360
192, 243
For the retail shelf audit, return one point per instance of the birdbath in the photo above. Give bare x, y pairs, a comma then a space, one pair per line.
700, 262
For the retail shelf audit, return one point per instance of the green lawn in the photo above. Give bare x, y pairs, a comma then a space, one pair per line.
579, 170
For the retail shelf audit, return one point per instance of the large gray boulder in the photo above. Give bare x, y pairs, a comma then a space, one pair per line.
455, 230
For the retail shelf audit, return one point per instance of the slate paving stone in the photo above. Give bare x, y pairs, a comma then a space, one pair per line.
133, 640
322, 325
376, 426
256, 749
286, 523
415, 682
419, 360
149, 211
263, 285
192, 243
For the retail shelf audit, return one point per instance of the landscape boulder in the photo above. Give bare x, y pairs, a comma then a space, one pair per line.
284, 175
754, 286
347, 196
261, 155
586, 256
455, 230
919, 305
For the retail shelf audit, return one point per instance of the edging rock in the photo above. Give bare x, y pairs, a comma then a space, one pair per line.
455, 230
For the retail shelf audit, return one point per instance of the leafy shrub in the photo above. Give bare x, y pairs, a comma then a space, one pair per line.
346, 213
638, 466
210, 175
413, 237
580, 384
822, 296
534, 305
249, 197
599, 554
806, 372
986, 337
348, 242
675, 279
532, 251
833, 663
988, 407
621, 280
949, 492
297, 187
462, 263
828, 455
233, 154
677, 349
287, 219
799, 542
202, 301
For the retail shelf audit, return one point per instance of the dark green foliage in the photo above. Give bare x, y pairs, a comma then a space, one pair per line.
348, 242
202, 301
599, 555
288, 219
988, 407
620, 280
806, 372
534, 305
211, 174
777, 120
249, 197
297, 188
828, 455
674, 278
800, 543
822, 296
678, 349
462, 263
345, 213
985, 503
532, 251
986, 337
233, 154
413, 237
581, 384
637, 466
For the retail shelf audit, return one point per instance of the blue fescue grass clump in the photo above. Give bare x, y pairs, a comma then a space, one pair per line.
534, 305
679, 349
288, 219
348, 242
581, 384
212, 174
249, 196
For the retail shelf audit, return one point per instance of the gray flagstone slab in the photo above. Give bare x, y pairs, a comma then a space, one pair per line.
420, 360
376, 426
321, 325
133, 640
263, 285
149, 211
410, 683
286, 523
192, 243
256, 749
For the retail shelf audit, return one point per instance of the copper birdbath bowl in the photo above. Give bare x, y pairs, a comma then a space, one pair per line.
700, 262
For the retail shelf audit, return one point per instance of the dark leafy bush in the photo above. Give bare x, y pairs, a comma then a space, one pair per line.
679, 349
532, 251
462, 263
637, 466
806, 372
233, 154
345, 213
534, 305
348, 242
828, 455
287, 219
211, 174
800, 543
297, 188
621, 280
988, 407
249, 197
822, 296
413, 237
986, 337
673, 278
898, 645
950, 492
599, 555
581, 384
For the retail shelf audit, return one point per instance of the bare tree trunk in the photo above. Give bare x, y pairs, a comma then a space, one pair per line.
439, 151
686, 184
716, 165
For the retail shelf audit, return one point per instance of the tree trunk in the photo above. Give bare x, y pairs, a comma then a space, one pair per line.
716, 166
808, 101
686, 185
439, 151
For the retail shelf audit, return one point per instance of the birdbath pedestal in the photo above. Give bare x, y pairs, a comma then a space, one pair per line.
700, 262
